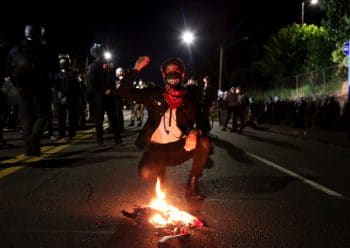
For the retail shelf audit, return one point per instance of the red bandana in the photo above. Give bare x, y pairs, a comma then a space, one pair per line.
173, 96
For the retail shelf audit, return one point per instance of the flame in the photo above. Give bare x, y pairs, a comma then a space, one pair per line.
168, 214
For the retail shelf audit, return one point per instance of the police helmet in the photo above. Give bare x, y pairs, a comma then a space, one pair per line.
34, 32
97, 50
64, 57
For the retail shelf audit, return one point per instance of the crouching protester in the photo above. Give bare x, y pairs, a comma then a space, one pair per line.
173, 131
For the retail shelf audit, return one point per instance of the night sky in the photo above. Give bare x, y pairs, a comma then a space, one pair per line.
133, 28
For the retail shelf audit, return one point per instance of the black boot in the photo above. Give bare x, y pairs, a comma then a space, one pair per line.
192, 188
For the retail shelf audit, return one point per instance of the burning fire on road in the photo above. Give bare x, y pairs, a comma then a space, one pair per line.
164, 217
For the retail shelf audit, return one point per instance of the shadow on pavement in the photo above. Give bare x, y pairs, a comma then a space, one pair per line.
272, 142
248, 184
55, 162
234, 152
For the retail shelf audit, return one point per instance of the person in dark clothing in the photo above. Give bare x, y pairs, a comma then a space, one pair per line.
173, 132
82, 101
253, 113
66, 91
102, 88
300, 113
233, 108
209, 95
3, 104
28, 68
3, 97
119, 74
194, 90
269, 110
346, 116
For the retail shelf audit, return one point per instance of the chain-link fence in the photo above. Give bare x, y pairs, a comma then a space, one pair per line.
326, 81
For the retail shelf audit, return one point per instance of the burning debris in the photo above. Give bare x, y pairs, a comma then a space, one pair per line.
168, 221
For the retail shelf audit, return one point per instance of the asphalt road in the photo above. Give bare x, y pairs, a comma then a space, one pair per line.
263, 190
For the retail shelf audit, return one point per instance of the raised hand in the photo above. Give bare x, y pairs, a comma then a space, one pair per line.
141, 63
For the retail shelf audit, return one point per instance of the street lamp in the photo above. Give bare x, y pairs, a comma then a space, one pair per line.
188, 37
312, 2
107, 55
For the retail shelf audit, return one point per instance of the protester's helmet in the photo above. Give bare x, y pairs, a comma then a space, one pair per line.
97, 50
34, 32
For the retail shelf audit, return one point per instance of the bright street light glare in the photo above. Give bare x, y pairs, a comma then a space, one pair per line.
188, 37
107, 55
314, 2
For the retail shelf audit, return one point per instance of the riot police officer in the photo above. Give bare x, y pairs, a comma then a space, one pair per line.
66, 95
28, 68
102, 90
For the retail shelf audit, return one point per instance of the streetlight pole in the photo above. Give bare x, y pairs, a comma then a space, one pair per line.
221, 63
302, 13
221, 58
312, 2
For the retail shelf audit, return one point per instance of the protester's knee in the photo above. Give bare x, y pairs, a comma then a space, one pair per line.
144, 174
204, 142
147, 173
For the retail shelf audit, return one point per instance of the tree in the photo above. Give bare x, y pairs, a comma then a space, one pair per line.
337, 20
295, 49
337, 23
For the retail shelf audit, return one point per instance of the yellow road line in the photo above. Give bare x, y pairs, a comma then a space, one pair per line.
10, 170
22, 157
46, 151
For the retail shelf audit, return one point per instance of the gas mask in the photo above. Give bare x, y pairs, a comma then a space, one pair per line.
63, 66
63, 63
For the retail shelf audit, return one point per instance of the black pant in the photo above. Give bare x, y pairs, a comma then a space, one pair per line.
104, 103
82, 115
34, 108
3, 103
234, 110
62, 111
120, 116
158, 156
